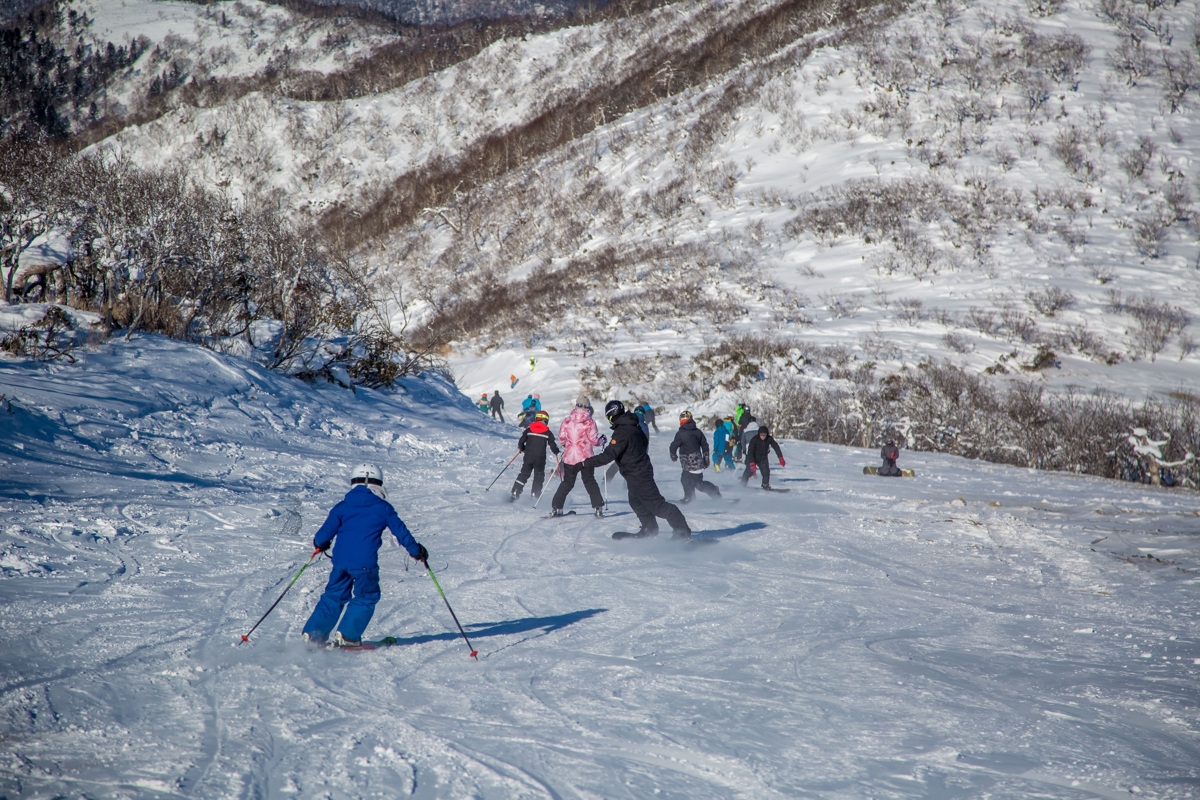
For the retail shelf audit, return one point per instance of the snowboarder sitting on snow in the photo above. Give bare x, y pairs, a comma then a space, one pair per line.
533, 443
757, 450
497, 404
627, 448
889, 453
357, 523
578, 434
690, 448
723, 444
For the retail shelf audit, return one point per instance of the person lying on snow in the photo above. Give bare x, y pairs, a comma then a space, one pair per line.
356, 524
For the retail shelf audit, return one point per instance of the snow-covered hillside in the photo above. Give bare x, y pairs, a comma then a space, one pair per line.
1009, 186
978, 631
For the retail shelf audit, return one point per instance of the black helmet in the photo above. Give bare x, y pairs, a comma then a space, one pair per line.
613, 408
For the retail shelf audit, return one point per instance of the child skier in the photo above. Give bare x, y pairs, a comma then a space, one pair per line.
533, 443
627, 448
690, 447
357, 523
482, 403
757, 450
723, 444
578, 435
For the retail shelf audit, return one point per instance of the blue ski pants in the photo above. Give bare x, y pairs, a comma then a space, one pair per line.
357, 587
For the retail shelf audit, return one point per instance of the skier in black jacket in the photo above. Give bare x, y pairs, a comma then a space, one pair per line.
533, 443
497, 405
627, 447
757, 450
690, 447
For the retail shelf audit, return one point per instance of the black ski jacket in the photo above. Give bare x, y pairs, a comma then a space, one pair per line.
534, 441
496, 401
758, 448
689, 440
889, 453
627, 447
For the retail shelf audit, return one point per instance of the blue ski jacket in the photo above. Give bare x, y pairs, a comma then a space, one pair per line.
357, 522
720, 436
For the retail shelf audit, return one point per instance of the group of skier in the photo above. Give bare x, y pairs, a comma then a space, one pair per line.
356, 524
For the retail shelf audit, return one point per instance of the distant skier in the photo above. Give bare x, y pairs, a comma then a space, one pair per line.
532, 363
627, 448
723, 444
529, 408
578, 434
482, 403
741, 423
497, 405
356, 523
647, 412
757, 451
690, 448
533, 443
512, 381
889, 453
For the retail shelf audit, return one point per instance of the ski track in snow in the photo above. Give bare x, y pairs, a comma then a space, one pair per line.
976, 631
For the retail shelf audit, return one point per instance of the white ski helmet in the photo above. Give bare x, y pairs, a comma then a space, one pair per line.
372, 476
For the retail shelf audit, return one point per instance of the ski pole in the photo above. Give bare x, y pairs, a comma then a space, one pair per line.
606, 490
506, 466
474, 652
539, 497
315, 553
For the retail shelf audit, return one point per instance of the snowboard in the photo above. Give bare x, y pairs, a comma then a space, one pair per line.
564, 514
904, 473
773, 489
620, 535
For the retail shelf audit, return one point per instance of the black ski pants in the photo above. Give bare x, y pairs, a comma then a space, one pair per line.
889, 468
497, 412
538, 469
568, 483
695, 480
763, 467
647, 503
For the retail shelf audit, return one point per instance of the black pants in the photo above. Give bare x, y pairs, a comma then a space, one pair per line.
538, 468
648, 503
889, 468
763, 467
496, 412
568, 483
695, 480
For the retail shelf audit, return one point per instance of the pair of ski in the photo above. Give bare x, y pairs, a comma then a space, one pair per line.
387, 641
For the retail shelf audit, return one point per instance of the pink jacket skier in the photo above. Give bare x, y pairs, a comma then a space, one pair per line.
578, 434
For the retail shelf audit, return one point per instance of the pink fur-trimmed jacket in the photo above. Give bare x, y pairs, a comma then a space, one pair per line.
578, 434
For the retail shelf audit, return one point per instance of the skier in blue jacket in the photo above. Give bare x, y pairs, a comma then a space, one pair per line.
357, 523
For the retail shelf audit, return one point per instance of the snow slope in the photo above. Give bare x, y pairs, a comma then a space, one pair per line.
976, 631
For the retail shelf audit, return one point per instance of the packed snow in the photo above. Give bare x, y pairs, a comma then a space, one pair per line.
975, 631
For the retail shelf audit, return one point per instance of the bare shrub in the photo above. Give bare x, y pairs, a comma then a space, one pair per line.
957, 342
1150, 231
1068, 146
1050, 300
909, 310
51, 338
1182, 79
1135, 161
1018, 324
1156, 323
1044, 8
982, 320
1132, 59
842, 305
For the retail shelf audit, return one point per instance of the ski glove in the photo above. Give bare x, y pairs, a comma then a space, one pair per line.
782, 463
422, 554
753, 467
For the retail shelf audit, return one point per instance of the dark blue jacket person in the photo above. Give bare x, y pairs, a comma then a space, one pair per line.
356, 523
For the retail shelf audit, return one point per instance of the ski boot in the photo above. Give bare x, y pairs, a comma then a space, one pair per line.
682, 533
600, 513
342, 641
557, 512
